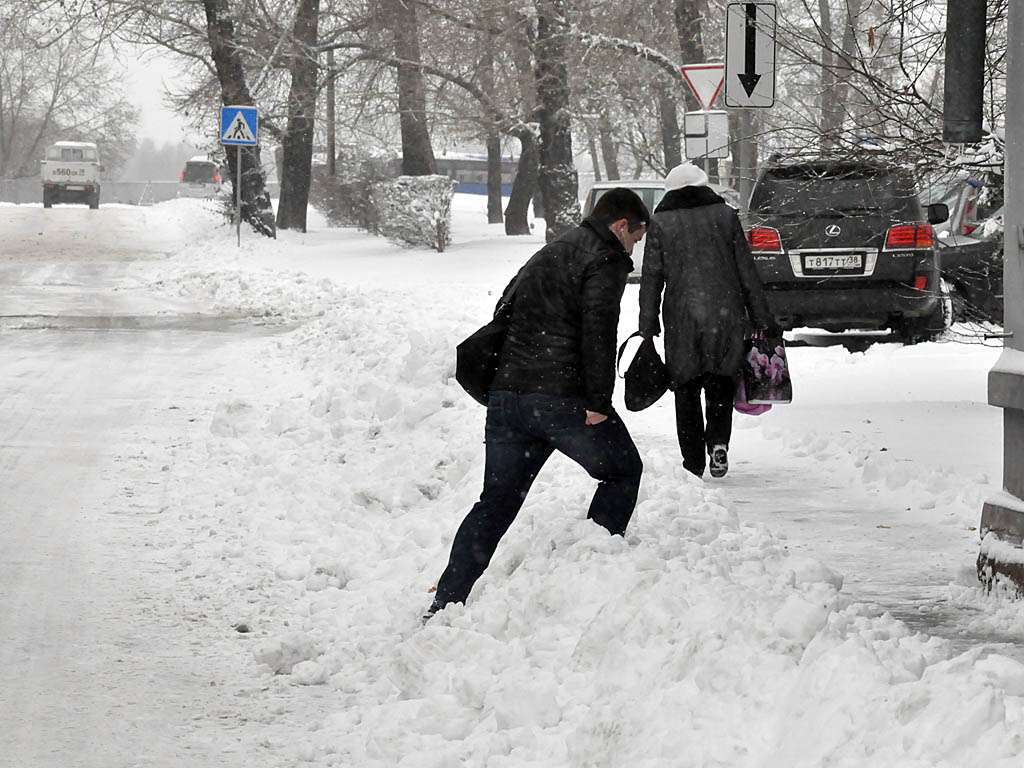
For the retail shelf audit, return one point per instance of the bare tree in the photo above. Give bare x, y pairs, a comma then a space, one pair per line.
255, 200
55, 83
400, 18
297, 143
865, 76
557, 173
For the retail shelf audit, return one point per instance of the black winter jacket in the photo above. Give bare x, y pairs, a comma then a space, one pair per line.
565, 314
697, 253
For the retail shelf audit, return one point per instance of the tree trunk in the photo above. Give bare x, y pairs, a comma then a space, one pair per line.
417, 153
494, 178
845, 63
592, 149
523, 188
689, 15
557, 174
256, 208
332, 128
609, 152
670, 134
493, 137
298, 140
830, 115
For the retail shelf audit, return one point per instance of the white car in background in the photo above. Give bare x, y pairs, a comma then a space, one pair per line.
200, 178
650, 191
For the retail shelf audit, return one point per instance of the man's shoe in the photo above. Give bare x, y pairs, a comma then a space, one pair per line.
719, 461
434, 608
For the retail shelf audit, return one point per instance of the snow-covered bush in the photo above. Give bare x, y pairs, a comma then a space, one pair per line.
408, 210
345, 199
415, 210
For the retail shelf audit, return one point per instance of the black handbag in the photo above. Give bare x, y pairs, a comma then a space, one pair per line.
476, 357
646, 378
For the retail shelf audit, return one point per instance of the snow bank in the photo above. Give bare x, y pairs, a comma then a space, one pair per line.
322, 512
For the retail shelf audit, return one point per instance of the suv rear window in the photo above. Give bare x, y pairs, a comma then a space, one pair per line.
810, 190
200, 173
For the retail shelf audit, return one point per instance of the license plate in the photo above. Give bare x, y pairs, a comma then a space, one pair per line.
833, 261
75, 186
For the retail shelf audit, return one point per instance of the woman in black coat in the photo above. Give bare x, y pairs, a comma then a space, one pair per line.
697, 254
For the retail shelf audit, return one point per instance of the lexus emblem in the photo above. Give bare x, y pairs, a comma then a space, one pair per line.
833, 230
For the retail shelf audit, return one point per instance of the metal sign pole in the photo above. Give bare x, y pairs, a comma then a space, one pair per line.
238, 194
239, 125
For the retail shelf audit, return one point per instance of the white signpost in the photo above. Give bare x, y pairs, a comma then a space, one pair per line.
750, 55
239, 126
706, 134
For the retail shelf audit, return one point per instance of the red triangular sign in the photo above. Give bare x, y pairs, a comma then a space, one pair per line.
705, 80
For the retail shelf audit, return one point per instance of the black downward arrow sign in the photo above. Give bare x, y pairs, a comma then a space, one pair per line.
749, 78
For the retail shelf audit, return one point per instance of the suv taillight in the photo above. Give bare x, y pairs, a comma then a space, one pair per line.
905, 236
181, 177
216, 177
764, 240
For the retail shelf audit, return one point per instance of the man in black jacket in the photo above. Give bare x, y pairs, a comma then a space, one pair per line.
553, 388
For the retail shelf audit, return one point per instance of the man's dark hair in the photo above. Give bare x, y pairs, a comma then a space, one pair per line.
621, 203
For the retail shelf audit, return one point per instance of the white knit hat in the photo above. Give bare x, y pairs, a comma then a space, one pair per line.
685, 175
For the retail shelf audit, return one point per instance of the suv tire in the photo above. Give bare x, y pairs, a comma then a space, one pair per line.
933, 326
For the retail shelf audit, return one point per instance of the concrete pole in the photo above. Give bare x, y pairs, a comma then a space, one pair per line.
1003, 515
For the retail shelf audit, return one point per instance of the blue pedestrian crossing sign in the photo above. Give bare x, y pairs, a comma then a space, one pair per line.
239, 125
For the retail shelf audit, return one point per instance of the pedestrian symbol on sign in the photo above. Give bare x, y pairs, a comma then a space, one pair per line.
239, 130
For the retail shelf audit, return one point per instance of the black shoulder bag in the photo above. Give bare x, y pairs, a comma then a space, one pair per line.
476, 357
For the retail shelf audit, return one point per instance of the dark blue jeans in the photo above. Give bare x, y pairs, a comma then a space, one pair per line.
522, 431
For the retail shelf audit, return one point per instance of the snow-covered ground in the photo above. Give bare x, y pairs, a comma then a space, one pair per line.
745, 622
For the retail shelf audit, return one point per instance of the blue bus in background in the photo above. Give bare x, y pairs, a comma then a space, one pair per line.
470, 172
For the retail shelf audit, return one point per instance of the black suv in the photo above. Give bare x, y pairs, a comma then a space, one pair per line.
843, 245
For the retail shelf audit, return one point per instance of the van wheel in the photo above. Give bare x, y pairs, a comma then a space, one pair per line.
94, 201
47, 199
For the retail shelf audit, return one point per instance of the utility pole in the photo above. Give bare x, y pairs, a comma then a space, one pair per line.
1002, 517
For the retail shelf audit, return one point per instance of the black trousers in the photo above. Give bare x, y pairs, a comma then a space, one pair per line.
521, 432
695, 437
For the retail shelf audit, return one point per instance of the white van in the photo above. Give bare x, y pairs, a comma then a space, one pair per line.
70, 173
